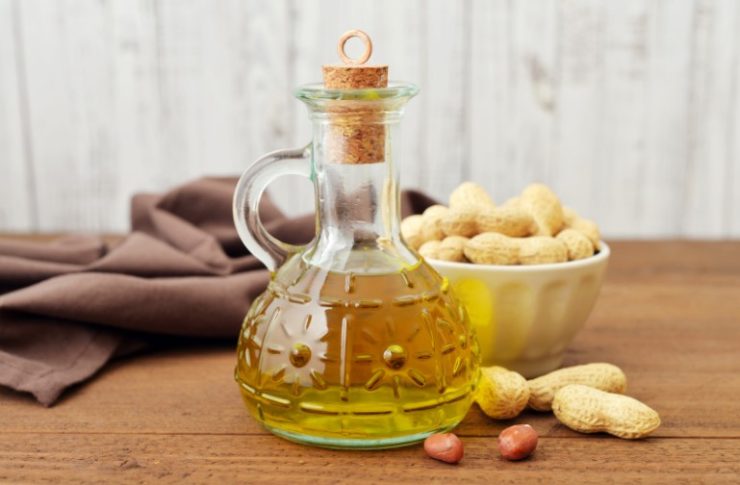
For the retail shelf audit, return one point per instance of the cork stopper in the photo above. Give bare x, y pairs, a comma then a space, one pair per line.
354, 74
356, 133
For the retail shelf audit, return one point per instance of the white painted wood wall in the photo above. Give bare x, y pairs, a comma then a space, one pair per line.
629, 109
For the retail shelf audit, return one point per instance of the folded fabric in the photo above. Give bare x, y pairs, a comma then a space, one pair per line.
67, 307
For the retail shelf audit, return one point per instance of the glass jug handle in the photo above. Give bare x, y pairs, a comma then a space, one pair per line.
252, 184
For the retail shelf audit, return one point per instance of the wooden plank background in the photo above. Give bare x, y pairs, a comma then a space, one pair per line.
630, 110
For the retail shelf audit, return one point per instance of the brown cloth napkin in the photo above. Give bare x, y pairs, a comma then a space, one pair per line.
69, 306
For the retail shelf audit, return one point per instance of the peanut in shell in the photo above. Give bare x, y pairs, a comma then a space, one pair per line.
501, 393
492, 248
430, 249
411, 230
452, 249
589, 229
470, 194
579, 246
433, 217
542, 250
599, 375
461, 222
589, 410
511, 221
545, 208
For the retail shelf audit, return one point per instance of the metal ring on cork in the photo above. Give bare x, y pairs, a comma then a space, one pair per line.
365, 40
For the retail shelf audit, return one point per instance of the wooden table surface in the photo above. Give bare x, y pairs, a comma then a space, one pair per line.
669, 315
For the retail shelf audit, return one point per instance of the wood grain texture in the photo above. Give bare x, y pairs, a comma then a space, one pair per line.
225, 459
630, 110
667, 315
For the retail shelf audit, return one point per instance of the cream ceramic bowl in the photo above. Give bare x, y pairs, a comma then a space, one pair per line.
525, 316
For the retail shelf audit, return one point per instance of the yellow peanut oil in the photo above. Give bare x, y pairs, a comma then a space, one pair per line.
350, 360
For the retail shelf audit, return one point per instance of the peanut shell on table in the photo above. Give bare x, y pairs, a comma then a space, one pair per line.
599, 375
501, 393
589, 410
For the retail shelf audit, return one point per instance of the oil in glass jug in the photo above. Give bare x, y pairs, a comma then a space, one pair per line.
357, 342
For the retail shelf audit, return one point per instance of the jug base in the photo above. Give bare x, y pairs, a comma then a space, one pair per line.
356, 443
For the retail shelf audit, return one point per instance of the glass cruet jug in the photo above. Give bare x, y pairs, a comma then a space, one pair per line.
357, 342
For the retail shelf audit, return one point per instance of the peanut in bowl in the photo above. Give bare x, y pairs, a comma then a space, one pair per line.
526, 316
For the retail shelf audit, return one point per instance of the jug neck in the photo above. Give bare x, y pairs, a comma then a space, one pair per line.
358, 209
356, 134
